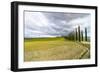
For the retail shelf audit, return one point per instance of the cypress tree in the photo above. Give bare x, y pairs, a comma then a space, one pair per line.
76, 34
79, 33
82, 35
85, 34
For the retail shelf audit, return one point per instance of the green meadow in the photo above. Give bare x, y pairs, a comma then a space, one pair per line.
44, 49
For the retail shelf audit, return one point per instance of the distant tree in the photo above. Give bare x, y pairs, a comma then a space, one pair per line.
76, 34
65, 37
70, 36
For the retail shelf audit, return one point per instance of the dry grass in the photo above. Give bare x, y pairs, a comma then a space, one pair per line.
59, 49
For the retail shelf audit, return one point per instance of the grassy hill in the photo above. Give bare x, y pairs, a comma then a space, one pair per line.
41, 49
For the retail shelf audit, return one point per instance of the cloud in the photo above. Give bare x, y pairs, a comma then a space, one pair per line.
53, 24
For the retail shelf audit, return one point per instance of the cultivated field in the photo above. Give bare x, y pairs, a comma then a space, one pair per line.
43, 49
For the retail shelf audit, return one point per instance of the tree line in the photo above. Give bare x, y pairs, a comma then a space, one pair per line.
77, 35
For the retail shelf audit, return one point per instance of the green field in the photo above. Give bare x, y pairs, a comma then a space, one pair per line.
43, 49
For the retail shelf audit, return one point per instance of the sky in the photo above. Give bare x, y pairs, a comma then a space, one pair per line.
54, 24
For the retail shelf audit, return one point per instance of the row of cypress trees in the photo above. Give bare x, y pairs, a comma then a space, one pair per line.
79, 34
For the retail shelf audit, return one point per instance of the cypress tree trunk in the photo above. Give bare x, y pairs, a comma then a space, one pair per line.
85, 34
